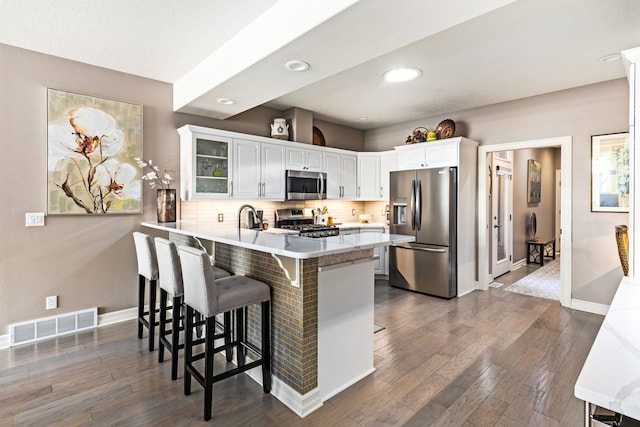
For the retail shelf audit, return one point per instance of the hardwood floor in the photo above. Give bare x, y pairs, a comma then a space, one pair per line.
490, 358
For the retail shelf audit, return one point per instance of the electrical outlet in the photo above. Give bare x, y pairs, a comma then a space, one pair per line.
34, 219
220, 217
51, 302
353, 212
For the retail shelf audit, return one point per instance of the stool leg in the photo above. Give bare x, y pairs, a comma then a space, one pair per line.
152, 314
210, 331
241, 353
188, 349
162, 330
266, 346
141, 283
227, 335
175, 335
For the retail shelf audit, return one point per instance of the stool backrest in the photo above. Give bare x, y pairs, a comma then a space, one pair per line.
146, 254
200, 292
169, 267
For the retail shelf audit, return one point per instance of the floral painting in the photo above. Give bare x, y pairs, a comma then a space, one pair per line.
92, 144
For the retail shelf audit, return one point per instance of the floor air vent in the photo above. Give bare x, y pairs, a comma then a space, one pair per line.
49, 327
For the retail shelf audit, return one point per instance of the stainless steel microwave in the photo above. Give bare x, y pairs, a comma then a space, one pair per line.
306, 185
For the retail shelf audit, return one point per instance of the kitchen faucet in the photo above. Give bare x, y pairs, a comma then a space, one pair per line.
253, 211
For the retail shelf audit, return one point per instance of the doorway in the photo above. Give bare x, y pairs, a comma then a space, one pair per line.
564, 143
500, 195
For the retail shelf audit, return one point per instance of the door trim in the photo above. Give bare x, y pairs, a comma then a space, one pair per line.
565, 144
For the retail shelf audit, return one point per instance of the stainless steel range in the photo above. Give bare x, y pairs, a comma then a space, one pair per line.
301, 220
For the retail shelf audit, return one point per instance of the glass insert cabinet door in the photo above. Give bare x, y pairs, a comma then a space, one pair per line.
212, 166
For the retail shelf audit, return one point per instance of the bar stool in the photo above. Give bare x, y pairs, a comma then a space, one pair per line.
171, 284
147, 270
207, 296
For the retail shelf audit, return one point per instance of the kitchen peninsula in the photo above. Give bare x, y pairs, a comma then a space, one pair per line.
322, 302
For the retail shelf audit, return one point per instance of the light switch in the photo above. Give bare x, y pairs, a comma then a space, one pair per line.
34, 219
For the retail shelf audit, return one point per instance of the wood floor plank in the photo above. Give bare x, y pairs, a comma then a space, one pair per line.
488, 358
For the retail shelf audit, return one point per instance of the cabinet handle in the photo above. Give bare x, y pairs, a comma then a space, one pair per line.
231, 188
381, 192
359, 193
264, 189
259, 190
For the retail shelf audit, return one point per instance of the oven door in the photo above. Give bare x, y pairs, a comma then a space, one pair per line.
304, 185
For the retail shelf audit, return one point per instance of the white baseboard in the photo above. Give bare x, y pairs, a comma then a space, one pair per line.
589, 307
519, 264
5, 341
117, 316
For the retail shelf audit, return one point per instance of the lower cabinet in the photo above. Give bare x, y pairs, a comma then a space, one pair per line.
381, 261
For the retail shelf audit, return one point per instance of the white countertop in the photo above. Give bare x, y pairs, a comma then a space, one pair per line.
610, 377
353, 225
279, 243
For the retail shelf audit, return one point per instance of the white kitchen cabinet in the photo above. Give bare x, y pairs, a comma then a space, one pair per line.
381, 261
205, 158
304, 159
258, 170
388, 163
428, 154
369, 187
341, 172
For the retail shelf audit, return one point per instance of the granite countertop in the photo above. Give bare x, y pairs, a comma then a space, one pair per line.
280, 243
610, 376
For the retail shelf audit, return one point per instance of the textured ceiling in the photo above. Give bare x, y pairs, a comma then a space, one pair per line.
471, 53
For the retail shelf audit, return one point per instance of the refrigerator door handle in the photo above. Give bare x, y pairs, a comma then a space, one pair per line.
419, 205
420, 248
413, 204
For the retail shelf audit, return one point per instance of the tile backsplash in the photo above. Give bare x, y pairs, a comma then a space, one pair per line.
342, 211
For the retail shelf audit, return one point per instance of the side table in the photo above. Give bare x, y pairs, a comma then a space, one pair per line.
538, 249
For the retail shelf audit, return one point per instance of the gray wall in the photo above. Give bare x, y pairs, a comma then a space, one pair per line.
87, 261
581, 112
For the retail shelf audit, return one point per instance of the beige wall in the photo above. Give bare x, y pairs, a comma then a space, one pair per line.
87, 261
581, 112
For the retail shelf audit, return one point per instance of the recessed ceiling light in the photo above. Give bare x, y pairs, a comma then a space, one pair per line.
402, 74
297, 65
226, 101
364, 118
610, 58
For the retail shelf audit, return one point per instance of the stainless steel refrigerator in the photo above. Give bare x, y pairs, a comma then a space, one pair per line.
423, 204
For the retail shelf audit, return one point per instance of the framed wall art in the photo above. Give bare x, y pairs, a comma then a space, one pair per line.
91, 146
534, 181
610, 172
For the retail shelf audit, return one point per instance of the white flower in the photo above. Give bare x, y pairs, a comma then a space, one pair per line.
154, 176
86, 133
118, 179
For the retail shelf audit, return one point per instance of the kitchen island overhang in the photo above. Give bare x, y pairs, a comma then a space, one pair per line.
322, 302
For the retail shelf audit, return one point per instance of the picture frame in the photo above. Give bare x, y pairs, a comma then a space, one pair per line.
92, 144
610, 172
534, 181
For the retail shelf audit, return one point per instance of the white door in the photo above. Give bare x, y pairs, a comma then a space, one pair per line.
558, 192
501, 215
369, 176
349, 177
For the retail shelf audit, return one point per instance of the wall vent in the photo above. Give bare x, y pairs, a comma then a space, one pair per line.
54, 326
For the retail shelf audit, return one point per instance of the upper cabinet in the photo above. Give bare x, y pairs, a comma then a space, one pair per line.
342, 177
388, 163
304, 159
369, 176
204, 163
258, 170
428, 154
